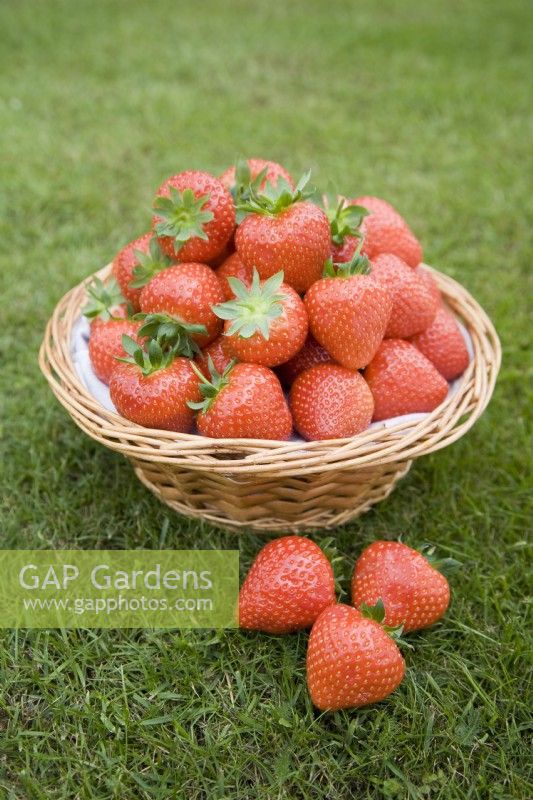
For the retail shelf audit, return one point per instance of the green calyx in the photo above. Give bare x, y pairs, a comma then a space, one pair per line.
244, 185
358, 265
171, 333
377, 614
182, 216
210, 389
273, 200
103, 297
149, 264
254, 307
344, 219
448, 566
150, 360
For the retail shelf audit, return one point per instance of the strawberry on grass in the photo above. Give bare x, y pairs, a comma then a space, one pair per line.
154, 387
348, 312
181, 299
266, 323
283, 231
194, 216
352, 660
289, 584
330, 402
414, 593
246, 401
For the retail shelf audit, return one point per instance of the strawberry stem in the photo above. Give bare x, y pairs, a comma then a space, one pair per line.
171, 332
210, 389
149, 264
273, 200
182, 216
255, 306
102, 299
148, 361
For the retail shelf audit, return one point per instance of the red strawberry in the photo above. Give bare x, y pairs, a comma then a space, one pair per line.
284, 232
153, 388
240, 176
429, 282
266, 323
194, 216
136, 263
380, 208
388, 236
330, 402
290, 582
105, 345
183, 296
403, 381
414, 593
351, 660
219, 354
443, 344
224, 254
414, 302
348, 313
233, 267
309, 356
245, 402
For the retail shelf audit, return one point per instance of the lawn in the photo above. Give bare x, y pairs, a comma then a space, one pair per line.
425, 104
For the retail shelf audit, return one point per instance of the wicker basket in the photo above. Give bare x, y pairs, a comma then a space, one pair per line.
271, 485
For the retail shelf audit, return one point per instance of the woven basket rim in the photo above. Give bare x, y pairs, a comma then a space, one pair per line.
405, 440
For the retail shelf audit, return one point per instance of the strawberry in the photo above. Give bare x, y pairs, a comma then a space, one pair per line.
136, 263
246, 401
290, 582
105, 345
194, 216
348, 313
218, 352
414, 593
384, 235
181, 298
380, 208
429, 282
284, 231
153, 388
105, 302
443, 344
233, 267
403, 381
351, 660
414, 302
330, 402
309, 356
345, 218
238, 178
266, 323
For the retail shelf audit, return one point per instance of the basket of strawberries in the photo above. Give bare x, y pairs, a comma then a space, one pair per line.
269, 358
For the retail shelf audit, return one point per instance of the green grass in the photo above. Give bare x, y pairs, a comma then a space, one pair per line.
425, 104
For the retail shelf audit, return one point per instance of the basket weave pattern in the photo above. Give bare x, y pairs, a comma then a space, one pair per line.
271, 485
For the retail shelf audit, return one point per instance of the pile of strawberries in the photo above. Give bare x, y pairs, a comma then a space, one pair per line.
249, 284
353, 658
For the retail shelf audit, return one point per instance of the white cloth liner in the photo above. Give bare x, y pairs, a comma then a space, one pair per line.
79, 349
